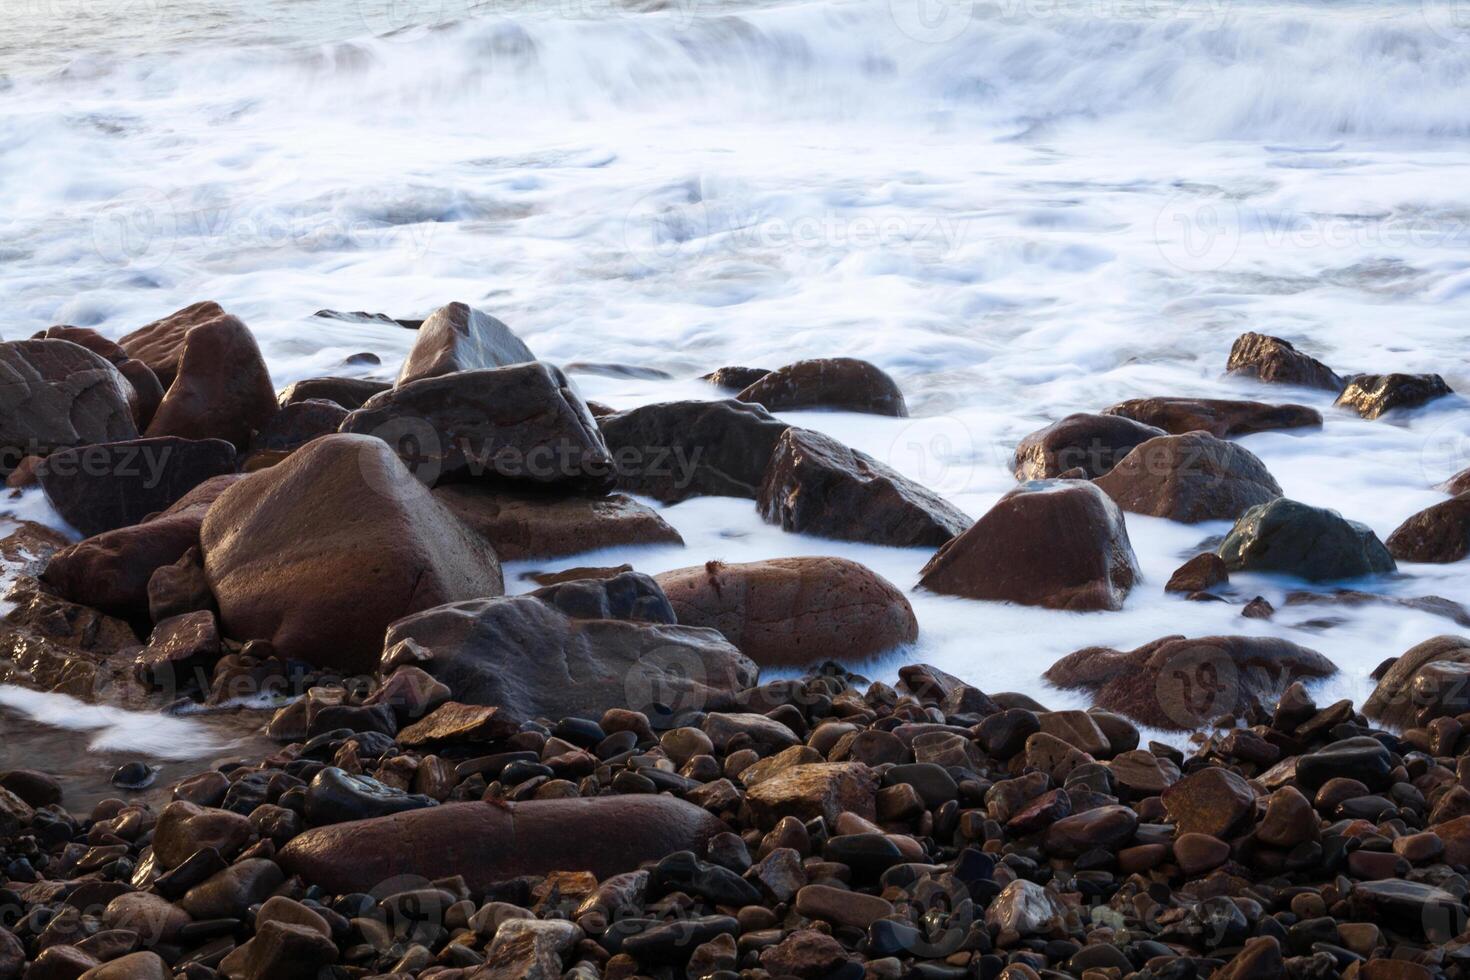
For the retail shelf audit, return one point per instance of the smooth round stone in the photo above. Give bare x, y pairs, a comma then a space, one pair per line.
1198, 853
889, 938
1004, 734
1419, 848
868, 855
335, 796
1289, 819
1377, 865
1106, 827
1335, 791
932, 781
840, 906
1362, 758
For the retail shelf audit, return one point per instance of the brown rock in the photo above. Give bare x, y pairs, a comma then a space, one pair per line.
1457, 484
1373, 395
1092, 443
459, 338
56, 395
1426, 682
278, 546
829, 382
1191, 478
281, 951
1260, 959
1059, 544
35, 788
1289, 819
1272, 359
111, 485
793, 611
455, 722
521, 526
1108, 827
350, 393
298, 423
180, 588
1027, 909
806, 953
1199, 574
229, 893
823, 789
1438, 534
223, 389
841, 907
184, 828
179, 646
1212, 801
733, 378
147, 391
1198, 853
154, 918
160, 344
1222, 418
134, 966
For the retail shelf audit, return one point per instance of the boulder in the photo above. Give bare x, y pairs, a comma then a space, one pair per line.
160, 344
523, 424
1190, 478
733, 378
1178, 683
56, 395
319, 553
1430, 680
1220, 417
815, 485
787, 612
459, 338
488, 843
827, 382
147, 391
111, 485
672, 451
1372, 395
1275, 360
523, 525
1438, 534
571, 650
1204, 571
222, 389
1092, 443
350, 393
297, 424
1061, 544
1314, 543
1457, 484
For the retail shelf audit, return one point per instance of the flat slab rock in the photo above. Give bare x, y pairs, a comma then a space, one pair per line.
827, 382
522, 526
1220, 417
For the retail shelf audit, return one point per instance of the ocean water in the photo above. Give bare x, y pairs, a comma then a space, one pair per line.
1019, 209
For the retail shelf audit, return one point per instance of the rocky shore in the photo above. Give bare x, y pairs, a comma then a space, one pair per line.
593, 779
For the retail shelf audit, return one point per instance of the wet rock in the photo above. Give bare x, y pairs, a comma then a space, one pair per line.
1107, 827
1457, 484
734, 378
134, 775
1362, 758
1272, 359
1182, 683
142, 965
523, 424
1092, 443
1027, 909
184, 828
521, 526
147, 391
1190, 478
1259, 959
529, 949
36, 789
816, 485
350, 393
154, 918
1199, 574
411, 693
1222, 418
298, 423
793, 611
335, 796
459, 338
110, 485
455, 722
841, 907
574, 650
1415, 908
281, 951
222, 390
180, 588
823, 789
1313, 543
1059, 544
1373, 395
1436, 534
342, 508
805, 953
56, 395
1289, 819
672, 451
160, 344
1428, 681
1198, 853
1213, 801
229, 893
844, 383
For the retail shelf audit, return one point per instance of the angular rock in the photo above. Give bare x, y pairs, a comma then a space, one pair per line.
222, 390
143, 965
349, 393
1027, 909
184, 828
458, 337
56, 395
1437, 534
806, 954
1313, 543
281, 951
229, 893
298, 423
1428, 681
1061, 544
1222, 418
733, 378
1272, 359
1213, 801
521, 526
529, 949
824, 789
160, 344
1373, 395
180, 588
1091, 443
178, 647
455, 722
1190, 478
111, 485
1202, 572
828, 382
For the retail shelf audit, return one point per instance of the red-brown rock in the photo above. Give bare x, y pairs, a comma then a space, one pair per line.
111, 485
147, 391
1220, 417
1091, 443
523, 525
1440, 533
55, 395
459, 338
222, 389
1275, 360
1190, 478
828, 382
160, 344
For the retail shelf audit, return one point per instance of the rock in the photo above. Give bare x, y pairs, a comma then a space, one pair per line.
522, 526
1414, 908
147, 392
342, 508
1092, 443
1179, 683
766, 735
229, 893
459, 338
1190, 478
929, 684
805, 953
571, 650
281, 951
523, 424
1457, 484
823, 789
1313, 543
1289, 819
111, 485
142, 965
36, 789
160, 344
1199, 574
1060, 544
16, 814
1213, 801
1363, 758
184, 828
529, 949
1373, 395
1423, 684
841, 906
1027, 909
844, 383
298, 423
50, 644
1259, 959
178, 647
1143, 773
180, 588
335, 796
816, 485
154, 918
56, 395
223, 389
1222, 418
349, 393
793, 611
455, 722
734, 378
1107, 827
672, 451
1275, 360
487, 843
411, 693
1438, 534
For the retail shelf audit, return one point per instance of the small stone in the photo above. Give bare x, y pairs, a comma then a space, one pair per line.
841, 907
1213, 801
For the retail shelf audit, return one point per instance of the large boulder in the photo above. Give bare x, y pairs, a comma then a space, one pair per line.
524, 525
160, 344
672, 451
1429, 680
111, 485
491, 842
319, 553
788, 612
1372, 395
1220, 417
111, 571
827, 382
1091, 443
1180, 683
1272, 359
1311, 542
459, 338
1436, 534
350, 393
1190, 478
147, 391
55, 395
815, 485
222, 390
575, 649
1061, 544
522, 424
